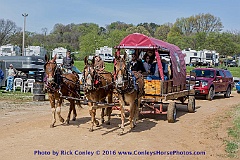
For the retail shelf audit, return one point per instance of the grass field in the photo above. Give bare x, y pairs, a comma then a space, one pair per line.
109, 67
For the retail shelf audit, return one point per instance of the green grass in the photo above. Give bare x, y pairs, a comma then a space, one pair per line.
232, 145
109, 67
80, 65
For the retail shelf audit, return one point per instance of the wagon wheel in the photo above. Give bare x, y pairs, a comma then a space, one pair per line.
191, 104
171, 112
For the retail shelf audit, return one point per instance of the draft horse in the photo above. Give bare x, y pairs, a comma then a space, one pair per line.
128, 94
60, 86
97, 87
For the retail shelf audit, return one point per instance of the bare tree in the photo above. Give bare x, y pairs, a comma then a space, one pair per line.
7, 29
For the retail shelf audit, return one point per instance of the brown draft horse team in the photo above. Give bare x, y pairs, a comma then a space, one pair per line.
128, 94
98, 87
59, 85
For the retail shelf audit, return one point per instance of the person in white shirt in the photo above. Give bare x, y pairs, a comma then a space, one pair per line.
11, 73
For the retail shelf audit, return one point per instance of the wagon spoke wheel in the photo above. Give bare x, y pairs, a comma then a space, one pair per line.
191, 104
171, 112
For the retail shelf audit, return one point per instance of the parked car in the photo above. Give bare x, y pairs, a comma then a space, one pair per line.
230, 63
211, 81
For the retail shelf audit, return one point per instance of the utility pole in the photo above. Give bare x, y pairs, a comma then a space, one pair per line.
24, 25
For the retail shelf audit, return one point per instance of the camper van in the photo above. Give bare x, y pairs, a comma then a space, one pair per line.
10, 50
209, 57
201, 58
192, 57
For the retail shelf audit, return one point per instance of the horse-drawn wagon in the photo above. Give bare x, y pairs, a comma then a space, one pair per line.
171, 83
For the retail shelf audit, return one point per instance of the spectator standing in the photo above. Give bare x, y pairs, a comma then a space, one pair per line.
1, 76
10, 78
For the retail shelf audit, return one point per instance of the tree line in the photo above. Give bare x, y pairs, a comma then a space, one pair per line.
202, 31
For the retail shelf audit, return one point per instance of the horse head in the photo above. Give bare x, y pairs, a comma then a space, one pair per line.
50, 68
89, 74
121, 71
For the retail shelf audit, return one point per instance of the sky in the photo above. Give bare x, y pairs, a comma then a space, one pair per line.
47, 13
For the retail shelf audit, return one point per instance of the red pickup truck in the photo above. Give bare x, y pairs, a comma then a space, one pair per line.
211, 81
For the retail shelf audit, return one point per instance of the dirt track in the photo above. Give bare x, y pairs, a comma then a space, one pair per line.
25, 133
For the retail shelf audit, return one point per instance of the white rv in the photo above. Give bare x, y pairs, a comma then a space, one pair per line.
35, 51
10, 50
192, 57
209, 57
60, 52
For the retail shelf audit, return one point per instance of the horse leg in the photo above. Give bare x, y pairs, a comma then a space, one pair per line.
109, 112
69, 113
52, 102
59, 110
137, 103
74, 111
122, 113
102, 115
92, 113
132, 111
109, 109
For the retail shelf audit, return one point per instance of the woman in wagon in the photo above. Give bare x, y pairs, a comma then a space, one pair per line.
147, 64
99, 64
11, 73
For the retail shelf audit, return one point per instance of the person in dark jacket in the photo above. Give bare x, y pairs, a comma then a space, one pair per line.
135, 65
68, 62
1, 76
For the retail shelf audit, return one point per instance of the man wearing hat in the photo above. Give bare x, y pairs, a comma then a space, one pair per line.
68, 62
11, 73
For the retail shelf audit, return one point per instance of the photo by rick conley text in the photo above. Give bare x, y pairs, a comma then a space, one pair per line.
114, 152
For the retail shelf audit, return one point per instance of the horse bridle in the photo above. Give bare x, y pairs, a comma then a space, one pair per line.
126, 78
89, 75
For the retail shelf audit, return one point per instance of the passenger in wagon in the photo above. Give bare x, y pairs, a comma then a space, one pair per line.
147, 64
135, 65
155, 71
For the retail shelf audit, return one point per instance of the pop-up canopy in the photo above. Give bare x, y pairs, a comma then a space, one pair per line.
140, 41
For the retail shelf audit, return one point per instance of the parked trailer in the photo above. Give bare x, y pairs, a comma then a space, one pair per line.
23, 64
169, 87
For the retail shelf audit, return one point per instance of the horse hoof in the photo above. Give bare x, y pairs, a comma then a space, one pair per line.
102, 121
67, 122
97, 123
74, 119
90, 130
62, 120
108, 123
51, 126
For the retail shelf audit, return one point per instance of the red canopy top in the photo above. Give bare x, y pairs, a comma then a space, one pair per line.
140, 41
